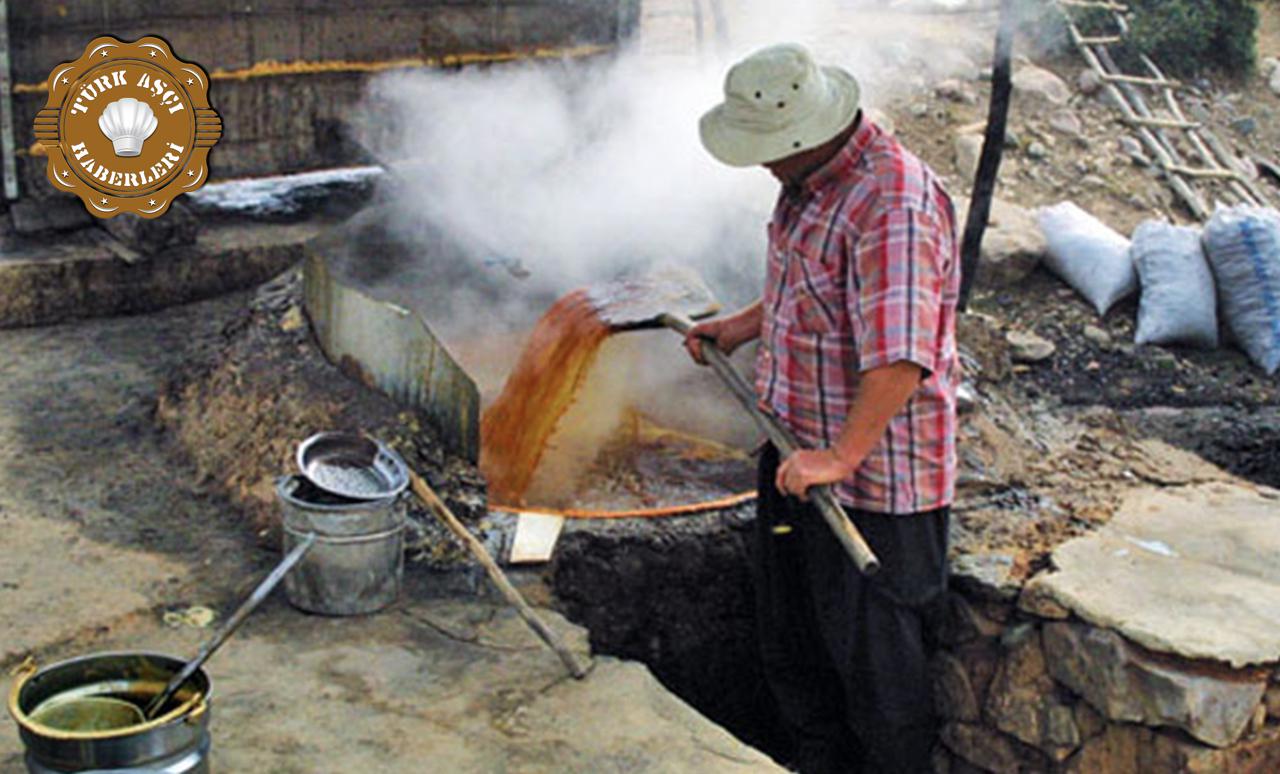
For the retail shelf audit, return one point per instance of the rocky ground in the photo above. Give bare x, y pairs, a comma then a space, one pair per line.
1066, 143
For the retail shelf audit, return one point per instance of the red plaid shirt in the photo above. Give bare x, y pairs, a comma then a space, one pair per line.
864, 272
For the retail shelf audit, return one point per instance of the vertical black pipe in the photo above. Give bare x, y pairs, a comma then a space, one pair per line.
984, 185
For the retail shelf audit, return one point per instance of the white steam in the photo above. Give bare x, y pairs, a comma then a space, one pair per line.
554, 176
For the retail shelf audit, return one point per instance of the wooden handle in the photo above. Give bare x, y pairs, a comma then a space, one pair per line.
499, 578
825, 500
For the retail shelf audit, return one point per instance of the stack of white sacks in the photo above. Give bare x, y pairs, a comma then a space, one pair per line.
1188, 277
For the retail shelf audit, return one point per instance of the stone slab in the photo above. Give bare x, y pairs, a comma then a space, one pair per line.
1213, 704
1190, 571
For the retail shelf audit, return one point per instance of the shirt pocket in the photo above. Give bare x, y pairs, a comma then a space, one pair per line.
815, 299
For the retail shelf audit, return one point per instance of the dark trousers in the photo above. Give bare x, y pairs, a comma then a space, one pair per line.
845, 655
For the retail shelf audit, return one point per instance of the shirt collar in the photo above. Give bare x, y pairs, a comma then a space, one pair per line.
845, 161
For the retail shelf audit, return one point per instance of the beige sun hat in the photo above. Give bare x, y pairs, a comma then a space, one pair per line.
778, 102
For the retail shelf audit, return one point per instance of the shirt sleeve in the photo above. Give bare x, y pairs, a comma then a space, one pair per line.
898, 270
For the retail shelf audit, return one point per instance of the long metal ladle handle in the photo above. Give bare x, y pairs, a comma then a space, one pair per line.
854, 544
260, 593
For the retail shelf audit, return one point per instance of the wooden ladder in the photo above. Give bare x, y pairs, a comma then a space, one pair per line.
1216, 173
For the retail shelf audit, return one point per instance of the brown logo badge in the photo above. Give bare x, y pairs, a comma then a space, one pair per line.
128, 127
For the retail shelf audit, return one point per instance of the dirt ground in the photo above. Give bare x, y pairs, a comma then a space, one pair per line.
106, 530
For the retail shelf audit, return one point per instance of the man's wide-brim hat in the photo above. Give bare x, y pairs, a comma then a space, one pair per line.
778, 102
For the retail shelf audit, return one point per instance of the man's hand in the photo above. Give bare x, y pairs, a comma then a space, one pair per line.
811, 467
728, 333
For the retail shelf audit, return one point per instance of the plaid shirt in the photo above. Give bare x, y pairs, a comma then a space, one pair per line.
864, 272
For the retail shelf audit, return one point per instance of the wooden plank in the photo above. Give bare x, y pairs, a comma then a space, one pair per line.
1162, 123
1101, 40
1097, 4
1204, 172
1138, 80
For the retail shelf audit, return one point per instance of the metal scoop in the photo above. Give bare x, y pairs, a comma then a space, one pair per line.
227, 629
672, 299
633, 303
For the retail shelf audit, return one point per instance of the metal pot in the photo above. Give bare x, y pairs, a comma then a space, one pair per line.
177, 742
357, 562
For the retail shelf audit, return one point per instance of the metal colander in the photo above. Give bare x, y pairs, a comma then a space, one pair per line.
353, 466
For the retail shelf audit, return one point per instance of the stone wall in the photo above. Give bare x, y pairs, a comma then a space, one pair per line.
1020, 684
278, 122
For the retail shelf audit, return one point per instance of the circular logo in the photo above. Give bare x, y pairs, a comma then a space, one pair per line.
128, 127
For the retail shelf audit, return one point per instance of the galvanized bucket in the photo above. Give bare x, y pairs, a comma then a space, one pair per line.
357, 562
177, 742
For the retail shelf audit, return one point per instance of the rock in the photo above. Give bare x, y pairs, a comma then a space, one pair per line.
1188, 571
1022, 700
1246, 126
981, 338
1128, 749
966, 398
1027, 347
59, 213
919, 110
293, 319
953, 695
1131, 147
1037, 150
988, 576
1033, 600
1097, 335
149, 236
1274, 81
982, 747
1039, 83
1215, 705
1093, 181
1164, 360
1119, 750
1088, 720
1272, 700
1259, 720
1012, 246
1088, 82
1268, 66
1067, 122
956, 91
968, 148
964, 624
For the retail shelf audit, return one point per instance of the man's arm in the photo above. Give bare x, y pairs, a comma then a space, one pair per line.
882, 393
728, 333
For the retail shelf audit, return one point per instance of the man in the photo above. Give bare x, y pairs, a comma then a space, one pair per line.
857, 357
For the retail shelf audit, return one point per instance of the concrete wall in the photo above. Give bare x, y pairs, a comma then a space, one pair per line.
282, 123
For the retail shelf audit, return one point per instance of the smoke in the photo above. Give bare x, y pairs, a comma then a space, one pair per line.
543, 178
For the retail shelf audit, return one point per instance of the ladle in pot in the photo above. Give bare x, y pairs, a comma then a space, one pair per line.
227, 629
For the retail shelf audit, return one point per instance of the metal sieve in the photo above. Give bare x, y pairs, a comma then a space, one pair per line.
353, 466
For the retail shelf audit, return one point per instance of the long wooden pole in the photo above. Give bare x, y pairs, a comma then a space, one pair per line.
433, 502
984, 186
825, 500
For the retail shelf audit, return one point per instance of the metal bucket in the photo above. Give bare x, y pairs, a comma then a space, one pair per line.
176, 742
357, 561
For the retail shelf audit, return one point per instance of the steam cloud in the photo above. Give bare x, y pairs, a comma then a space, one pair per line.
550, 177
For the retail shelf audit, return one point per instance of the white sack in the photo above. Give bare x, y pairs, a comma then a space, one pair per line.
1179, 304
1088, 255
